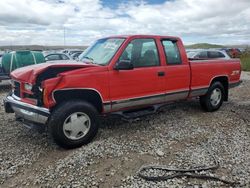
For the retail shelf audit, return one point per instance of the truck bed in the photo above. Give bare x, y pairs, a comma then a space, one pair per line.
203, 73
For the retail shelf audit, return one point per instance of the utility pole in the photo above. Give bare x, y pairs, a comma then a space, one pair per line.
64, 36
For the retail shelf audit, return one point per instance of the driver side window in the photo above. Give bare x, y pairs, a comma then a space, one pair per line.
127, 53
141, 53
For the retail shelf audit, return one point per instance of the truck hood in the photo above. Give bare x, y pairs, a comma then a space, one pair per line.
29, 74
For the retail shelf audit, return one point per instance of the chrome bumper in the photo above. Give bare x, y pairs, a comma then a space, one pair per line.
26, 111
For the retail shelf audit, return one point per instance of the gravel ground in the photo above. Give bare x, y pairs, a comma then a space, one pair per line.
180, 136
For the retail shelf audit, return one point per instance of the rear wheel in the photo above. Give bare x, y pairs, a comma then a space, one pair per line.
73, 124
214, 97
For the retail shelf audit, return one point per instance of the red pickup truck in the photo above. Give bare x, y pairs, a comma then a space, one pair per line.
123, 75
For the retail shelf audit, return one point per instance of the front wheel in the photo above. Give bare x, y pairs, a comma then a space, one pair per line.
214, 97
73, 124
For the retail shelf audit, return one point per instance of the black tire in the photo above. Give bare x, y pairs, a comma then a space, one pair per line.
205, 100
62, 113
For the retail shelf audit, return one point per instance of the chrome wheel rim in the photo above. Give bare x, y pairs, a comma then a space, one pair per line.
215, 97
76, 125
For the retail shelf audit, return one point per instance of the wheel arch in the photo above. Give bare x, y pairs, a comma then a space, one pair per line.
89, 95
224, 81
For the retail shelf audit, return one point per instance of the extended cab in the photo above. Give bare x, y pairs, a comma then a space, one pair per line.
124, 75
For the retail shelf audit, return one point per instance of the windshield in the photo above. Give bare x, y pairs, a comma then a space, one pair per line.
101, 51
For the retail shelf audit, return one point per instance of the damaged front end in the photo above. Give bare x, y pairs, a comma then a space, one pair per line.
45, 83
29, 99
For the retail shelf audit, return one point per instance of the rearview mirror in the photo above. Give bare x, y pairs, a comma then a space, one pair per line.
124, 65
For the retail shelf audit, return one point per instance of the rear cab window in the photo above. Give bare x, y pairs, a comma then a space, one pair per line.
172, 52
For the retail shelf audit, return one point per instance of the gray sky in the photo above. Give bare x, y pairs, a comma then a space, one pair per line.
42, 21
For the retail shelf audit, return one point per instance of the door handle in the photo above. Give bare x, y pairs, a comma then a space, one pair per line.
161, 73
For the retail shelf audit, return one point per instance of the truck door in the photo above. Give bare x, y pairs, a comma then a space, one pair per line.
177, 70
145, 83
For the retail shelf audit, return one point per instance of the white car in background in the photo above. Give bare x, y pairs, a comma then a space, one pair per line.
71, 51
57, 57
207, 54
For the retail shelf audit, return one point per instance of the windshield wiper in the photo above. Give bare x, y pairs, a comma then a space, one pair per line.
92, 60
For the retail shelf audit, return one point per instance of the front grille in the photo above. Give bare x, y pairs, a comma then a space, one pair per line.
17, 88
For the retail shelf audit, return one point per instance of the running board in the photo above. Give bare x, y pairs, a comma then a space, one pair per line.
137, 113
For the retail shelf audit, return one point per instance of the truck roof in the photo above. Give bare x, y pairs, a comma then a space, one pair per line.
142, 36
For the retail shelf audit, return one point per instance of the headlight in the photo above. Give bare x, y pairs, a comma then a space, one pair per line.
28, 87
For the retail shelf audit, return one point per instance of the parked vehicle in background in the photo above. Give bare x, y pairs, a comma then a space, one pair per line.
57, 56
65, 51
127, 76
71, 51
76, 55
18, 59
1, 68
47, 52
207, 54
233, 52
242, 50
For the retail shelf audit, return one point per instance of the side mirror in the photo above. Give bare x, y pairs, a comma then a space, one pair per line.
124, 65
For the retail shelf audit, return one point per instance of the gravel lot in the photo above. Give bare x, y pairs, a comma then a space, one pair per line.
179, 136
